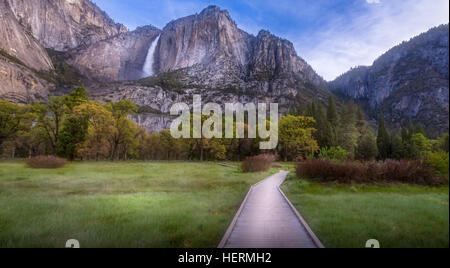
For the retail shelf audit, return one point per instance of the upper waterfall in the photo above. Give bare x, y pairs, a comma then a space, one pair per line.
148, 65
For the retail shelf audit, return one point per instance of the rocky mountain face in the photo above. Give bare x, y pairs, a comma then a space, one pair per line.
117, 58
64, 24
28, 27
206, 38
409, 83
208, 54
204, 54
21, 58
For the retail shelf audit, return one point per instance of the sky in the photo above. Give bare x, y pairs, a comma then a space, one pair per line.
331, 35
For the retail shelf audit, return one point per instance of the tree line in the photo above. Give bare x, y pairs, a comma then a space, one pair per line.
348, 135
76, 128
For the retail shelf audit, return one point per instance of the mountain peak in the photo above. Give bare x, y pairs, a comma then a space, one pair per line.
264, 33
212, 10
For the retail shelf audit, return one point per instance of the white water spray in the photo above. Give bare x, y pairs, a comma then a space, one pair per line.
148, 65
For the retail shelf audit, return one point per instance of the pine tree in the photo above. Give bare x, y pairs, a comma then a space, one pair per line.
405, 135
383, 142
366, 148
321, 125
411, 130
348, 132
398, 151
333, 123
419, 129
332, 114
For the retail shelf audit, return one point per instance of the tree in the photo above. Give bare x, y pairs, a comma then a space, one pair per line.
296, 136
419, 129
411, 130
405, 135
100, 126
333, 123
366, 148
383, 141
13, 119
332, 114
421, 146
398, 148
348, 132
124, 130
74, 127
50, 119
76, 98
322, 126
444, 143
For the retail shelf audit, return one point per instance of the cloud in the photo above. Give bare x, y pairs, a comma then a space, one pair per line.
340, 45
373, 1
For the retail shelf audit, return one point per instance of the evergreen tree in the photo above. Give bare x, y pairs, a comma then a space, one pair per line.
411, 130
321, 125
366, 148
331, 131
348, 132
419, 129
360, 119
332, 114
405, 135
398, 150
446, 145
383, 142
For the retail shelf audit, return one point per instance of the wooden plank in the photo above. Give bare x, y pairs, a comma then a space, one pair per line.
267, 220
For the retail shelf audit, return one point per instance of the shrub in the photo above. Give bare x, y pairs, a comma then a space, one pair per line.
439, 162
276, 165
415, 172
327, 170
46, 162
333, 153
259, 163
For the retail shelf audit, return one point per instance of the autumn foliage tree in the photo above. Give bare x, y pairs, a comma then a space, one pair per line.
296, 137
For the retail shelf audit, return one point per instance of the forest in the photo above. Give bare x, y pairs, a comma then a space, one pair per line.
76, 128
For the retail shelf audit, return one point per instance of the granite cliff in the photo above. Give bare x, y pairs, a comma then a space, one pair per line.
49, 46
65, 24
409, 83
21, 59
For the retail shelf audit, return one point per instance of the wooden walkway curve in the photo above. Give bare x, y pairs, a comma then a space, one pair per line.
267, 219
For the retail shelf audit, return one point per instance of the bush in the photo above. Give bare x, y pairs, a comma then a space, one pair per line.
415, 172
46, 162
333, 153
276, 165
258, 163
439, 162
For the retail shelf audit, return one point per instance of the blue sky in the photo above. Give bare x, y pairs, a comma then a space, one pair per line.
332, 35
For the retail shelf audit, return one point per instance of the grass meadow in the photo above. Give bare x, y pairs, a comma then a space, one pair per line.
191, 204
127, 204
398, 216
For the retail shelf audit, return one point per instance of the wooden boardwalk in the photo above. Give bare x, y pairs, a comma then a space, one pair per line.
267, 219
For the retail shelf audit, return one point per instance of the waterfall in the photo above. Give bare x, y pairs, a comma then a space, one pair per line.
148, 65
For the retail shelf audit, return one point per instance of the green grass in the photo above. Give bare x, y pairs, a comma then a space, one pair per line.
132, 204
398, 216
